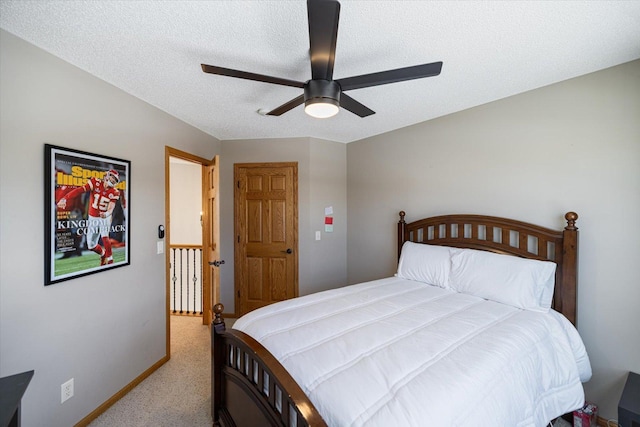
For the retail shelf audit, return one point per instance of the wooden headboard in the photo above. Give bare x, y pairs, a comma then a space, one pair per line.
506, 236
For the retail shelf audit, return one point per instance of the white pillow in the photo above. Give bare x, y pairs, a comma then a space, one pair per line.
425, 263
520, 282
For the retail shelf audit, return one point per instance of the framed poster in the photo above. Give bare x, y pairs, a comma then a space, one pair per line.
87, 202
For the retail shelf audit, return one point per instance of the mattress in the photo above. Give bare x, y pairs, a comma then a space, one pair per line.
401, 352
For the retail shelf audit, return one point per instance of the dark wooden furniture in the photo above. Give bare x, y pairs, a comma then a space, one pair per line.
629, 405
12, 389
250, 387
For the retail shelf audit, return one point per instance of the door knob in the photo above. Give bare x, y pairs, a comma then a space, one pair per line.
288, 251
216, 263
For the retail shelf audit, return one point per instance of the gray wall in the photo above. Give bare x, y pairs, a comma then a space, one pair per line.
106, 329
321, 183
327, 258
570, 146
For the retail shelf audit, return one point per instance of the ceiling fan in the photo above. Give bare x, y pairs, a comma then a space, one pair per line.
322, 95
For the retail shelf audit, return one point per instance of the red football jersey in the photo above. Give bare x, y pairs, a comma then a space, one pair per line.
101, 196
73, 203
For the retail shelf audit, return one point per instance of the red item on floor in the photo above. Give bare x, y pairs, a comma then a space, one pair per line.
586, 416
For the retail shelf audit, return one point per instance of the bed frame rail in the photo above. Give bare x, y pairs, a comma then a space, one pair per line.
506, 236
250, 387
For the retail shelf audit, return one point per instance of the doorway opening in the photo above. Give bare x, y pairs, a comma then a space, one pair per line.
191, 236
185, 247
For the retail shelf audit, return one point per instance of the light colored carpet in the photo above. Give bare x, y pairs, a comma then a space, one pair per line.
178, 393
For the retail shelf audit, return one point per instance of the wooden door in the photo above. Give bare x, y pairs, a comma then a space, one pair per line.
266, 228
211, 237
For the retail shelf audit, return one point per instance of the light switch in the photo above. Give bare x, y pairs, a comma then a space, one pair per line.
160, 247
318, 235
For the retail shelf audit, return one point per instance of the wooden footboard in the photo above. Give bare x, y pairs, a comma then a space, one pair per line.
250, 387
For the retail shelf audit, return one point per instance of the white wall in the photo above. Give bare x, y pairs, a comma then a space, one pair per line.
186, 202
103, 330
570, 146
321, 182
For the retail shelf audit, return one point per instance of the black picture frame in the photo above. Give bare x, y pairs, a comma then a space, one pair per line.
87, 201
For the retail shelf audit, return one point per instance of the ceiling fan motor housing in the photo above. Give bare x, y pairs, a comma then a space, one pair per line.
324, 91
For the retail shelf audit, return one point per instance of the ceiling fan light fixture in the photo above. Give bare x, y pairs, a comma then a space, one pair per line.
321, 98
321, 108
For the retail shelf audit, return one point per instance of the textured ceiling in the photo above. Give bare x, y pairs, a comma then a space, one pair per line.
490, 49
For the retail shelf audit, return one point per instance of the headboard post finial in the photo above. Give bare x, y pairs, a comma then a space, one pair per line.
401, 233
571, 218
218, 321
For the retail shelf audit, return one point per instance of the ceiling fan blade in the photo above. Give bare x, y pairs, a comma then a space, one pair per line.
323, 32
350, 104
212, 69
391, 76
287, 106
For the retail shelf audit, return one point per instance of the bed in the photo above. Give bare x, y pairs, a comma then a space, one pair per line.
447, 340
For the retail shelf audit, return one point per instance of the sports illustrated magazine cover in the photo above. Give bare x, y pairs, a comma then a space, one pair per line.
86, 226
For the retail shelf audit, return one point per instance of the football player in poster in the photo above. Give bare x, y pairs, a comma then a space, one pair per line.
103, 198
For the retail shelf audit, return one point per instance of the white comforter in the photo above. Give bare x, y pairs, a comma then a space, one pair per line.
395, 352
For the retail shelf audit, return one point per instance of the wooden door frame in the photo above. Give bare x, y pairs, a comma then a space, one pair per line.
236, 248
168, 153
210, 172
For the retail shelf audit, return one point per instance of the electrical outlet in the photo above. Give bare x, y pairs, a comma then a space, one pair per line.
66, 391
